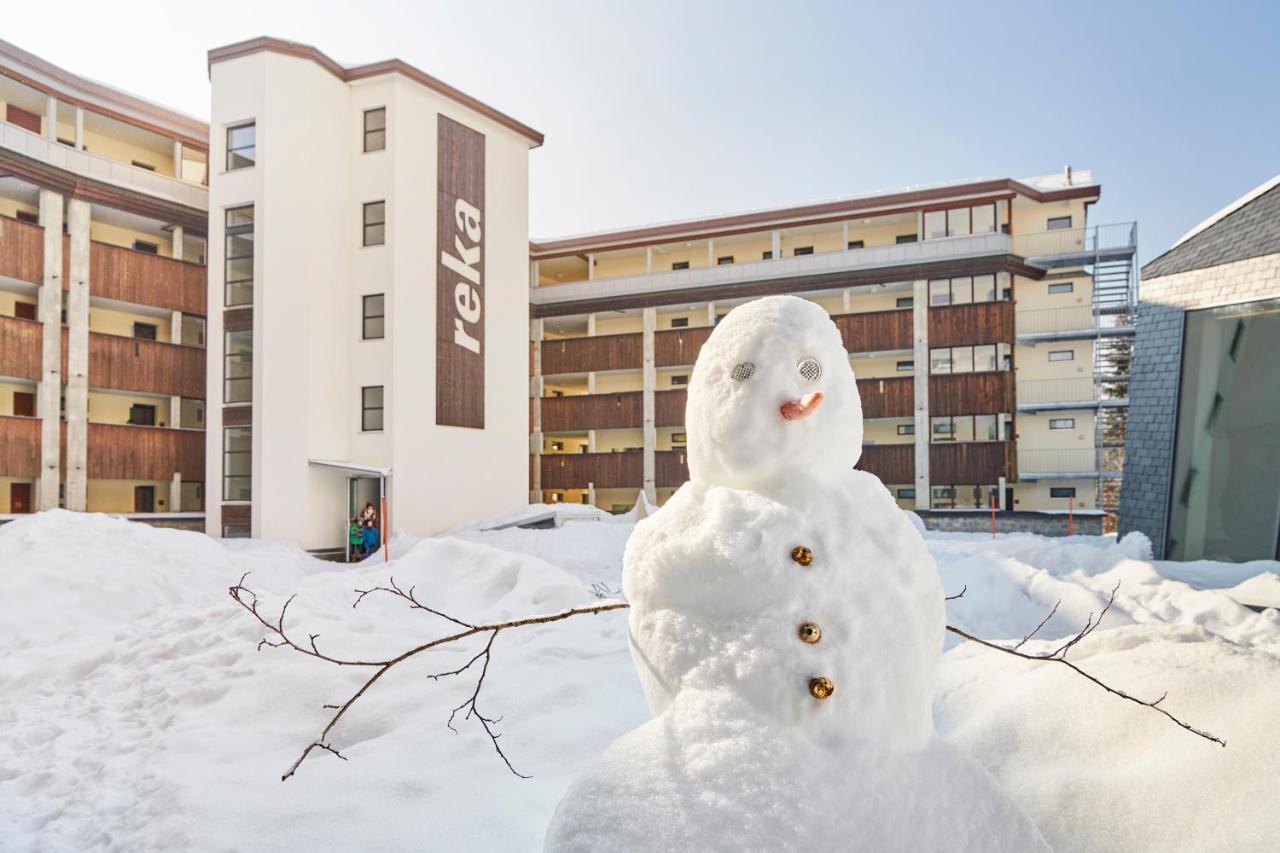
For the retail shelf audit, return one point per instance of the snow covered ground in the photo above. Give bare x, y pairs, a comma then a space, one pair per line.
137, 714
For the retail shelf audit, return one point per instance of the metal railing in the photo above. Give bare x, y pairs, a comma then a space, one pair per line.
1073, 318
1114, 237
1077, 389
1074, 460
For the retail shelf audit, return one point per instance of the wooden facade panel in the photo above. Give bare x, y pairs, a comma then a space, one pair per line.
891, 463
966, 325
987, 393
19, 447
674, 347
593, 411
602, 352
121, 452
669, 407
237, 513
892, 397
153, 367
237, 416
21, 250
237, 319
142, 278
671, 467
875, 331
605, 470
21, 343
971, 463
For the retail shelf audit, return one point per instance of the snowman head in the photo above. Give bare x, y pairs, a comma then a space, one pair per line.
772, 400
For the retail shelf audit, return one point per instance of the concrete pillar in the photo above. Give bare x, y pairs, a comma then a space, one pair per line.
79, 128
533, 273
177, 158
535, 427
178, 238
648, 259
847, 298
51, 118
1001, 485
49, 392
591, 494
175, 493
591, 267
175, 412
591, 441
78, 357
777, 243
175, 327
920, 337
919, 224
591, 382
711, 252
650, 414
844, 236
711, 313
591, 325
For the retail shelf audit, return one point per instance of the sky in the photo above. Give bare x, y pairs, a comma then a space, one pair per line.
660, 111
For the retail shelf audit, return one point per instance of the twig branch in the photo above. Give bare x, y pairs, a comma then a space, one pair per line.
959, 594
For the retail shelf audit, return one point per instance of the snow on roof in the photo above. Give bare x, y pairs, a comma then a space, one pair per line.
1228, 210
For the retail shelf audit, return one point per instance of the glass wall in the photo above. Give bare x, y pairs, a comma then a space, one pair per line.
1225, 500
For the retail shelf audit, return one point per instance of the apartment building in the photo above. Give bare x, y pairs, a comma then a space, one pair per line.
989, 325
103, 216
368, 337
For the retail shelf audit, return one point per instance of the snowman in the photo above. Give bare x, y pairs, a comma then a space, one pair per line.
786, 622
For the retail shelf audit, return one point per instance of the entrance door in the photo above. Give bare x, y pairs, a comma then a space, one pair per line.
19, 497
144, 499
24, 405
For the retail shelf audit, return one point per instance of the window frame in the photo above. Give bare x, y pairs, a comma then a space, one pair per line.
853, 245
679, 265
365, 317
247, 431
1062, 423
366, 132
365, 408
1069, 355
1055, 492
724, 260
236, 150
909, 368
1061, 287
906, 429
679, 322
366, 224
801, 251
152, 336
906, 302
907, 493
1050, 225
228, 359
238, 231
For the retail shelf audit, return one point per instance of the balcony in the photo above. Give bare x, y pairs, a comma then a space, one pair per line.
1071, 323
593, 411
678, 347
1075, 462
969, 325
142, 278
971, 463
671, 468
21, 354
150, 367
988, 393
1077, 246
19, 446
1079, 392
887, 398
669, 407
603, 470
21, 250
893, 464
118, 452
875, 331
602, 352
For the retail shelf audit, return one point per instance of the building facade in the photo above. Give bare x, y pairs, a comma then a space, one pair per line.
370, 226
103, 214
1202, 472
989, 325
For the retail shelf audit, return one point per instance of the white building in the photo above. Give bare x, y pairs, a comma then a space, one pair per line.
368, 232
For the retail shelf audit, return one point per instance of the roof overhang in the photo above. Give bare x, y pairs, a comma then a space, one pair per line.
351, 467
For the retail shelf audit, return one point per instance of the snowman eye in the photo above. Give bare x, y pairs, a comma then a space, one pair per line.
809, 369
743, 371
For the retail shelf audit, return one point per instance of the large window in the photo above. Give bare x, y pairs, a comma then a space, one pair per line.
981, 358
242, 149
375, 223
966, 289
962, 221
964, 428
238, 269
371, 408
375, 129
237, 463
1059, 223
1224, 501
237, 371
374, 317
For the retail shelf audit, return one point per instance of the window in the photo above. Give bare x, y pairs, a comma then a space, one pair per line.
1062, 355
962, 359
371, 408
943, 429
680, 265
906, 429
944, 497
905, 238
958, 222
28, 217
802, 250
679, 438
375, 129
679, 322
138, 164
237, 463
984, 358
237, 369
235, 531
145, 331
681, 379
935, 224
1062, 287
1062, 491
557, 445
242, 151
373, 315
985, 428
856, 244
961, 291
906, 366
906, 301
1059, 223
984, 288
962, 428
724, 260
984, 219
238, 270
766, 255
1062, 423
940, 360
907, 494
142, 415
940, 291
375, 223
144, 246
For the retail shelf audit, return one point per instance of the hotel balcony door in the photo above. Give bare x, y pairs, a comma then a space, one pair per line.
19, 497
144, 498
24, 405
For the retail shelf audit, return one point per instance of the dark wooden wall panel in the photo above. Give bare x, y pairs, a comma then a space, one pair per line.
21, 250
605, 470
965, 325
593, 411
237, 416
875, 331
602, 352
674, 347
892, 397
21, 342
237, 513
19, 447
970, 463
971, 393
669, 407
120, 452
671, 467
892, 463
153, 367
142, 278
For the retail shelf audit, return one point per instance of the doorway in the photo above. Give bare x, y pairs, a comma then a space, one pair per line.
361, 492
19, 497
144, 499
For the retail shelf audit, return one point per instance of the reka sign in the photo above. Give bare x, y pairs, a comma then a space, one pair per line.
460, 276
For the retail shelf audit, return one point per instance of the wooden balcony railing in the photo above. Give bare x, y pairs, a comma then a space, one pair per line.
593, 411
119, 452
971, 393
971, 463
21, 343
966, 325
892, 397
153, 367
142, 278
19, 447
671, 468
669, 407
21, 250
675, 347
602, 352
894, 464
604, 470
875, 331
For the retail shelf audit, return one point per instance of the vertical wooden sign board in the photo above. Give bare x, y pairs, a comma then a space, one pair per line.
460, 276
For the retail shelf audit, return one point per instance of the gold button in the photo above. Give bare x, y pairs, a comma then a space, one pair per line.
802, 555
810, 633
821, 687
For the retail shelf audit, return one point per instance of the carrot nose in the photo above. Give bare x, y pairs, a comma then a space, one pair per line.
794, 410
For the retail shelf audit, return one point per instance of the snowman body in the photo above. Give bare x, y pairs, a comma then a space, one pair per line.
786, 622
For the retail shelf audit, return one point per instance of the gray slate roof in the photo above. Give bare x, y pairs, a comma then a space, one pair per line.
1249, 232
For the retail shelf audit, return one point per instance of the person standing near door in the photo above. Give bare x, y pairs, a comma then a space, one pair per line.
355, 538
370, 537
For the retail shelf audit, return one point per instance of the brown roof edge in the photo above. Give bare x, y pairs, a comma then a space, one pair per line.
372, 69
800, 215
109, 102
